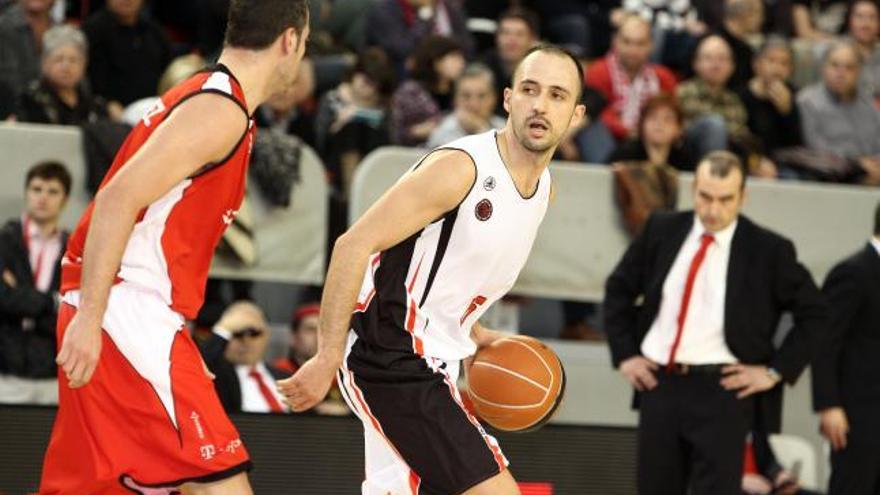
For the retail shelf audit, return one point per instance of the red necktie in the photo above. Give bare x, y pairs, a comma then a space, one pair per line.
274, 405
705, 241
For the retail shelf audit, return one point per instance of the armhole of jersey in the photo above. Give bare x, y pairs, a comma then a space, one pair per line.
470, 189
212, 165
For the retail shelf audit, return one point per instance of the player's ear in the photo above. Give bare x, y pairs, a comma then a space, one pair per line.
290, 40
578, 116
507, 94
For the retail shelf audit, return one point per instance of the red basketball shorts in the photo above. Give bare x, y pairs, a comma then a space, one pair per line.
149, 420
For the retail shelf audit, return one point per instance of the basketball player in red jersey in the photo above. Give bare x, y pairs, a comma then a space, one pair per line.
138, 411
409, 280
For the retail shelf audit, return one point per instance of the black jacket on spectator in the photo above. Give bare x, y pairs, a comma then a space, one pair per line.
634, 150
774, 129
125, 62
40, 104
742, 59
847, 372
764, 280
31, 353
226, 379
7, 100
398, 30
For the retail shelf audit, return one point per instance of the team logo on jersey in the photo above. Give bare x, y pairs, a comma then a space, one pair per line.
483, 210
489, 183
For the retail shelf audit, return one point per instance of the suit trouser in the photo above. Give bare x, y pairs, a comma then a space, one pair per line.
691, 436
855, 470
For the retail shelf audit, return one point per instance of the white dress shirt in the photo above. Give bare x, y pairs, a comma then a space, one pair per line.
252, 399
42, 250
702, 339
875, 241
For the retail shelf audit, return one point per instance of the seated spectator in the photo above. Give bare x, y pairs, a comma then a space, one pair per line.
352, 119
60, 96
235, 354
676, 26
518, 30
303, 344
474, 107
659, 136
400, 26
21, 35
567, 24
818, 20
626, 79
418, 104
713, 113
864, 31
777, 18
31, 247
838, 115
127, 51
293, 111
742, 19
774, 119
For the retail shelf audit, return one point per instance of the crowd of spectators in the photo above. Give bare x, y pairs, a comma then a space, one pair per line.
791, 87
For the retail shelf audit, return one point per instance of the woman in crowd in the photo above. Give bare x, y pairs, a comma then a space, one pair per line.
659, 136
418, 104
61, 95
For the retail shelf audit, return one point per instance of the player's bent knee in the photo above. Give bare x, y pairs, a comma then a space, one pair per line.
235, 485
500, 484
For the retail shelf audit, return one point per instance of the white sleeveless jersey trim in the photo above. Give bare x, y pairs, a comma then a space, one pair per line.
143, 262
468, 259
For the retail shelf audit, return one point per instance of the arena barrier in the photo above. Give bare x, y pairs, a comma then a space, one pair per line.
582, 236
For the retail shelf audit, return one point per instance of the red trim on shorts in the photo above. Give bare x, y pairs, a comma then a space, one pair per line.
414, 482
496, 452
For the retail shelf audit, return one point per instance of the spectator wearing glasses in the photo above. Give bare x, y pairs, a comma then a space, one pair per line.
235, 353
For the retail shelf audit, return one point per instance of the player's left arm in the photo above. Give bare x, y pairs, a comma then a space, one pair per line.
182, 144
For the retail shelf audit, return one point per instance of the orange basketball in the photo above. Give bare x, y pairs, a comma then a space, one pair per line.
516, 383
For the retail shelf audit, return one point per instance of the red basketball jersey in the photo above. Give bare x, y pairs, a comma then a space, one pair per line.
173, 241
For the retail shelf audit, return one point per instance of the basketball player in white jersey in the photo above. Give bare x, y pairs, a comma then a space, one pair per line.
408, 282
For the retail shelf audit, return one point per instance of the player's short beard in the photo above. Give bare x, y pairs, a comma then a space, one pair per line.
531, 145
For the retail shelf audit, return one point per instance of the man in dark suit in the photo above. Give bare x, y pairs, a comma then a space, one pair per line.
235, 354
846, 374
698, 347
31, 247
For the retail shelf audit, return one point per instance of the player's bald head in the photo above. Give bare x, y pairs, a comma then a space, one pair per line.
532, 62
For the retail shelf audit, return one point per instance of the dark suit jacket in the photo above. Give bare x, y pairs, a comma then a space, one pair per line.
28, 354
847, 370
226, 379
764, 279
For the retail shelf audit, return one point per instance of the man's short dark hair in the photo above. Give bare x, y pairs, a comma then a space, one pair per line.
256, 24
528, 17
47, 171
877, 220
562, 52
721, 163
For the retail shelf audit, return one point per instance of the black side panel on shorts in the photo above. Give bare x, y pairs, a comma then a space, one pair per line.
428, 428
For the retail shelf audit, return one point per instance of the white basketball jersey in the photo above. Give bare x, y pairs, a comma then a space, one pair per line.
424, 294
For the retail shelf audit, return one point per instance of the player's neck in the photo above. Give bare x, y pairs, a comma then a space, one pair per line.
253, 72
525, 166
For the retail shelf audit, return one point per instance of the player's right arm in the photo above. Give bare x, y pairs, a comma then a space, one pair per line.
182, 144
422, 196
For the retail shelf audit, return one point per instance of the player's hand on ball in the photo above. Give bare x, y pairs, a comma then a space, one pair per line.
310, 384
80, 350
